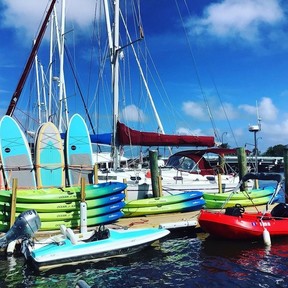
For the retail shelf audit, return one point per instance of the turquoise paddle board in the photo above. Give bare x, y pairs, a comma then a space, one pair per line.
16, 155
49, 157
78, 152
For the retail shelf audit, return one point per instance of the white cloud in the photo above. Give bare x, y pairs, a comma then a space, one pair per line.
228, 111
267, 110
133, 113
26, 16
187, 131
195, 110
239, 19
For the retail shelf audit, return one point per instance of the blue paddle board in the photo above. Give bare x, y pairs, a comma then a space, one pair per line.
49, 157
78, 152
16, 154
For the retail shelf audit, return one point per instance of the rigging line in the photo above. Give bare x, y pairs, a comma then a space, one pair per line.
196, 71
226, 116
93, 40
79, 89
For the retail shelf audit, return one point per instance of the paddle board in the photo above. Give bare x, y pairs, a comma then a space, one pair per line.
78, 152
57, 195
49, 157
15, 154
165, 200
63, 206
190, 205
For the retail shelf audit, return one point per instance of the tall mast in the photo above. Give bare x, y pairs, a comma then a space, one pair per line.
23, 78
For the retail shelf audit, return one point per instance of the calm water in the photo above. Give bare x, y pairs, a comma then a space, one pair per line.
183, 259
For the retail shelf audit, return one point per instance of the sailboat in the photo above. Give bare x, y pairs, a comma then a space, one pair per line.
175, 178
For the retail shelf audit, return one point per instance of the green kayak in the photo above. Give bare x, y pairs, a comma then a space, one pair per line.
55, 195
254, 193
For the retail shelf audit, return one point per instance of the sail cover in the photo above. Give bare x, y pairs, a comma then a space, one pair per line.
128, 136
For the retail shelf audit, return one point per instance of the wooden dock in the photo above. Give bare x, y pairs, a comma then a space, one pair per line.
171, 221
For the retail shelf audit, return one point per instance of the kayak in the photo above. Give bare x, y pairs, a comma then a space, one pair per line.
52, 195
165, 200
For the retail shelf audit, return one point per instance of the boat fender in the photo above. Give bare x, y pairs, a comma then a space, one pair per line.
266, 237
70, 235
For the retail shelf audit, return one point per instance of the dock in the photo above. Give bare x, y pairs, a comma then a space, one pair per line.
171, 221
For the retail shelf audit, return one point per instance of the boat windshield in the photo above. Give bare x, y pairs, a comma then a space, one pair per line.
183, 163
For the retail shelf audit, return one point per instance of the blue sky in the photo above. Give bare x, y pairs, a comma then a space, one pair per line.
219, 56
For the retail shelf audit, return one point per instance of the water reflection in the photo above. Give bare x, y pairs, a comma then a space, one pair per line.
183, 259
247, 262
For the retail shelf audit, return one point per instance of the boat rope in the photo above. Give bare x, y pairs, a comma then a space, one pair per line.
216, 132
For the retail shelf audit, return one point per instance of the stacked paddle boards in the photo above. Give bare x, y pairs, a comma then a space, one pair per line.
56, 205
245, 198
183, 202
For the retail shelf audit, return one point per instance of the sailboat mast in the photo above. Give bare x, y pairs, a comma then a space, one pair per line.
23, 78
115, 85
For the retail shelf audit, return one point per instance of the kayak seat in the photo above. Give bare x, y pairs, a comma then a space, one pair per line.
71, 236
280, 210
100, 234
237, 210
63, 229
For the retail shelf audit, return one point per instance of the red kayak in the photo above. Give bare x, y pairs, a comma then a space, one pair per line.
245, 226
235, 223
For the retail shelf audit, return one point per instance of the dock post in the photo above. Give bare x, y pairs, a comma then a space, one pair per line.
83, 208
96, 173
153, 157
242, 163
13, 201
285, 158
125, 190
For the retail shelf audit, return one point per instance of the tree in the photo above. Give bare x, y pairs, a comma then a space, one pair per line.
277, 150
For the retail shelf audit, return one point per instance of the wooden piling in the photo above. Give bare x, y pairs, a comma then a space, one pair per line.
153, 157
13, 201
285, 158
96, 173
242, 163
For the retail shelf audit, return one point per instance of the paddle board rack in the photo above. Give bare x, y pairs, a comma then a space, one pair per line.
179, 224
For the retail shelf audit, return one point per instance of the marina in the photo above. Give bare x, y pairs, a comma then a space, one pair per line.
202, 214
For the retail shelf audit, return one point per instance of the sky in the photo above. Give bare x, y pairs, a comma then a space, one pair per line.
223, 64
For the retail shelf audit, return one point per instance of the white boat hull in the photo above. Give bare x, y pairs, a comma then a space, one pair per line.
60, 250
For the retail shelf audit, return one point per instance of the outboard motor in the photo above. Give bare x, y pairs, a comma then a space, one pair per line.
26, 224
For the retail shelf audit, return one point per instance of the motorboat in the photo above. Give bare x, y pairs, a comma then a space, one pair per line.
235, 223
69, 248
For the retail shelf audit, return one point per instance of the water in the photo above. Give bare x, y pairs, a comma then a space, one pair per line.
182, 259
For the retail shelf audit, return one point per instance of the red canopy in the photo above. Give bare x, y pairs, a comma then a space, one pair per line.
128, 136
